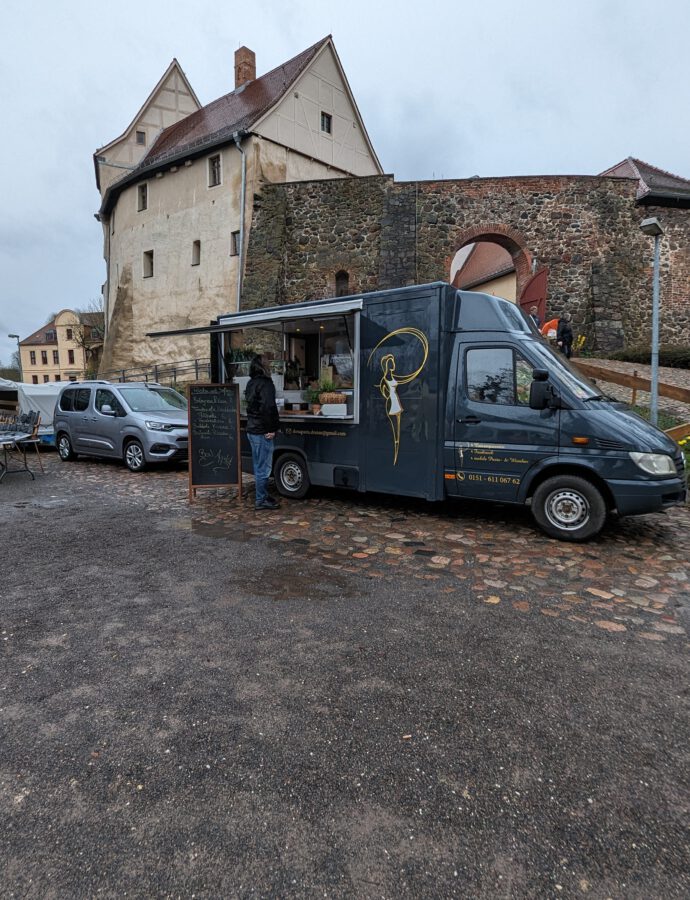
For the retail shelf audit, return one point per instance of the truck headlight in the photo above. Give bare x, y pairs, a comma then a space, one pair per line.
654, 463
159, 426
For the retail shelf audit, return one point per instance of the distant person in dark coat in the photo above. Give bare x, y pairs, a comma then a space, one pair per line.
262, 424
564, 335
534, 313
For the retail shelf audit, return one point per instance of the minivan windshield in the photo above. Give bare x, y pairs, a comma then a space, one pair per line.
143, 399
567, 373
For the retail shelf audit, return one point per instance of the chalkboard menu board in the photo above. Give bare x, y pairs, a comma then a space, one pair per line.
214, 436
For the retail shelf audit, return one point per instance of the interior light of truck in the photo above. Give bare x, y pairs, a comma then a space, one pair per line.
580, 440
654, 463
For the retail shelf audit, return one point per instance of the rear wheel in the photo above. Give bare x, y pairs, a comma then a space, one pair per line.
291, 475
64, 448
569, 508
134, 457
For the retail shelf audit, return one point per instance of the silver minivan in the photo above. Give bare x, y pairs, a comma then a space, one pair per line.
139, 422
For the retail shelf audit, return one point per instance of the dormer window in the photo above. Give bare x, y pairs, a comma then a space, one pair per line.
141, 138
326, 123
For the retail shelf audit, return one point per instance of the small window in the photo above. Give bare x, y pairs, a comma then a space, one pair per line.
235, 243
56, 358
214, 171
326, 123
70, 357
50, 336
95, 334
72, 377
46, 379
141, 138
69, 334
196, 253
34, 379
142, 197
58, 378
342, 284
148, 263
32, 357
81, 399
44, 357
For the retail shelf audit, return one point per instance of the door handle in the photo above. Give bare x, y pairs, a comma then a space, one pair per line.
470, 420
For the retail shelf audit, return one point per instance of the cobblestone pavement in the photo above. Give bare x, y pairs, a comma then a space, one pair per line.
632, 580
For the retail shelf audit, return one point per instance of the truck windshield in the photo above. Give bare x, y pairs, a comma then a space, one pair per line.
567, 373
142, 399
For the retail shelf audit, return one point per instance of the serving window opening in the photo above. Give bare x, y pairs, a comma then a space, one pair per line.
311, 360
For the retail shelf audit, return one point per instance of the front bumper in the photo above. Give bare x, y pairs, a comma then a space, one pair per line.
634, 498
164, 451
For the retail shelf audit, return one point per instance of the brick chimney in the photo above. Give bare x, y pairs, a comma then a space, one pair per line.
245, 66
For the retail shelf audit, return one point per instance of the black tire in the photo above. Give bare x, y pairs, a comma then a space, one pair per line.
569, 508
134, 456
291, 475
64, 448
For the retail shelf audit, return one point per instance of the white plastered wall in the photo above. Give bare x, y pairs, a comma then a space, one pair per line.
296, 121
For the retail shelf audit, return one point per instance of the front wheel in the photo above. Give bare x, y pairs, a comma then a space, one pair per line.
569, 508
134, 457
291, 475
64, 448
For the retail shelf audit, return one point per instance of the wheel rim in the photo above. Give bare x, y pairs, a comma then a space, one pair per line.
567, 509
291, 476
64, 448
134, 456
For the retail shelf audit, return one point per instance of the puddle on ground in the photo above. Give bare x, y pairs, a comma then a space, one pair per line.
209, 529
291, 585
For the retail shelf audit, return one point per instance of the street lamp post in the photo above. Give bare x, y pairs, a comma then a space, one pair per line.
19, 354
652, 227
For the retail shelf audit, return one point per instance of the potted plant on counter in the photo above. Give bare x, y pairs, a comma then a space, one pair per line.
315, 403
329, 394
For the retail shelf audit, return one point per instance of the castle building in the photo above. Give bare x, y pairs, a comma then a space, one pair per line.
178, 189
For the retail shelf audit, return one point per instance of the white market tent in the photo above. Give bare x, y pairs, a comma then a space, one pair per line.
39, 397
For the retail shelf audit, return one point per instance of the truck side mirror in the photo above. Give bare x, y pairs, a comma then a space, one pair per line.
107, 410
542, 394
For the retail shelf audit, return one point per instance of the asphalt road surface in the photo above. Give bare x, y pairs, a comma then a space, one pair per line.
193, 704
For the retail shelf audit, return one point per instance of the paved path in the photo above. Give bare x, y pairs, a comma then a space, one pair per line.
676, 377
348, 697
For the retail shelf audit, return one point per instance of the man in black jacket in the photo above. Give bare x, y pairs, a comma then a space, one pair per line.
262, 424
564, 336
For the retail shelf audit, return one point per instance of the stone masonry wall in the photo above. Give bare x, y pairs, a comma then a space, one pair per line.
385, 234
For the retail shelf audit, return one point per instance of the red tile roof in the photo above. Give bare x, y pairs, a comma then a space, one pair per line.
39, 337
236, 111
486, 262
652, 181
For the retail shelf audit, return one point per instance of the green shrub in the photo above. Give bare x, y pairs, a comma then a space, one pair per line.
676, 357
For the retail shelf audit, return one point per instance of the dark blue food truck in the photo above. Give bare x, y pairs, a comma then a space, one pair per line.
439, 393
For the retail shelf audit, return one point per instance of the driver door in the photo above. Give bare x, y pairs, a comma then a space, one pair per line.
498, 438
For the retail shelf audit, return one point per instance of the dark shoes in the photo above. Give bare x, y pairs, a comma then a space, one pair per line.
270, 503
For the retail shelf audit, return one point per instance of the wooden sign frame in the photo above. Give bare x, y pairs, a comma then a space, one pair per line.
194, 486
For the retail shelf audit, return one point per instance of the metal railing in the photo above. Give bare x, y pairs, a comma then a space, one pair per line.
164, 373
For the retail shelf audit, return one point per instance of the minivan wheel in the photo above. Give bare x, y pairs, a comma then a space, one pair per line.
291, 475
569, 508
64, 447
134, 457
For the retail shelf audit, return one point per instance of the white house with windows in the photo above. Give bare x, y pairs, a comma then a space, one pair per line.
178, 186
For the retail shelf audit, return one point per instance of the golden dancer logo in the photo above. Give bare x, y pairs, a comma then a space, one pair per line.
391, 381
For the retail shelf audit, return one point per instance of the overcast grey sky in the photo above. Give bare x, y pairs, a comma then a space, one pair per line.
446, 88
